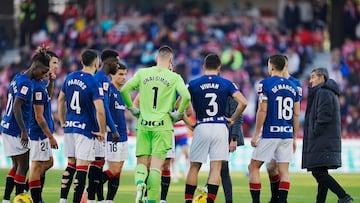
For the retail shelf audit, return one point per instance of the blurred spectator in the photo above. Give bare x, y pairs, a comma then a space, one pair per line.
320, 12
306, 13
28, 21
351, 19
291, 16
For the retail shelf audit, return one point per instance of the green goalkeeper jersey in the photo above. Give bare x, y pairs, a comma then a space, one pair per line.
157, 88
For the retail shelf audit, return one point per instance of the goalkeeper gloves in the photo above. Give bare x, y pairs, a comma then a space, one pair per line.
134, 111
175, 116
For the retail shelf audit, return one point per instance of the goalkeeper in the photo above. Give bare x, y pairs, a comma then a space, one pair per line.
157, 89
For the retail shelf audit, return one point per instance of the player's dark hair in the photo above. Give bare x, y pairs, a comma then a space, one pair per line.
286, 58
41, 56
212, 61
278, 61
109, 53
321, 72
52, 54
122, 66
88, 57
165, 51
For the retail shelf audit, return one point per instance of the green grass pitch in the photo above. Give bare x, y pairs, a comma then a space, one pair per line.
302, 190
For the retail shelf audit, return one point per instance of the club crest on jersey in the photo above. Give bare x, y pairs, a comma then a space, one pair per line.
38, 96
260, 87
106, 86
101, 91
24, 90
300, 91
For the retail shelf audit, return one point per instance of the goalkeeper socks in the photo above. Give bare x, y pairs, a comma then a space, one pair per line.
9, 184
212, 192
165, 183
154, 182
35, 188
79, 182
255, 189
141, 173
66, 180
283, 191
189, 193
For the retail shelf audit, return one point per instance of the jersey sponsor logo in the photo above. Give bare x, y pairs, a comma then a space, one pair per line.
106, 86
210, 119
38, 96
75, 124
259, 87
281, 129
152, 123
24, 90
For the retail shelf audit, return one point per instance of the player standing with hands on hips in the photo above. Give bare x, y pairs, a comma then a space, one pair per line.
157, 89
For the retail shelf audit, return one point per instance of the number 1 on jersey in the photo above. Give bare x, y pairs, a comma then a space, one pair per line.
155, 97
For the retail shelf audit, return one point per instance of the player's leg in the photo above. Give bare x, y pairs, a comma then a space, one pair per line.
162, 142
34, 180
254, 179
95, 172
116, 154
283, 156
274, 178
9, 186
68, 174
46, 166
165, 179
84, 153
226, 181
219, 151
199, 149
113, 174
143, 152
20, 176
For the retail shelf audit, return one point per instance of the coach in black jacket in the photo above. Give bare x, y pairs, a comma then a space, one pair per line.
322, 134
236, 138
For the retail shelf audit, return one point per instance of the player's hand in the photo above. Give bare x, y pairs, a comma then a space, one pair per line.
115, 137
233, 145
229, 121
53, 143
255, 141
294, 146
134, 111
24, 139
52, 76
176, 116
100, 136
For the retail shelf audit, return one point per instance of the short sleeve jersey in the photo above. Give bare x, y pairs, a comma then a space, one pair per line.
281, 94
41, 97
209, 95
117, 109
20, 87
157, 87
81, 90
297, 84
104, 83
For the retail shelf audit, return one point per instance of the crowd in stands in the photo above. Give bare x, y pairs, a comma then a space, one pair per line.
242, 37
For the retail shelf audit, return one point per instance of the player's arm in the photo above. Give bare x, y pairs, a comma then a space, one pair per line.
136, 101
41, 121
100, 117
296, 124
235, 131
129, 86
242, 103
50, 86
62, 108
260, 119
184, 93
18, 102
188, 110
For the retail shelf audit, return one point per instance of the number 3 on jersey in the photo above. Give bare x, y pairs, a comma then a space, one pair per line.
75, 102
214, 106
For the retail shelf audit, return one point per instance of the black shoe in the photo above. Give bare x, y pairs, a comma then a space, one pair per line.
346, 199
273, 200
